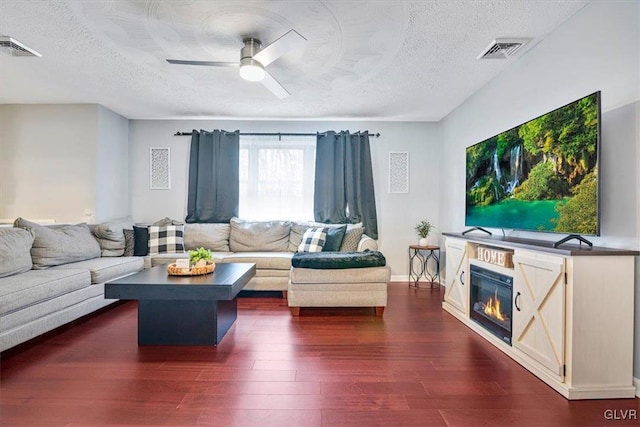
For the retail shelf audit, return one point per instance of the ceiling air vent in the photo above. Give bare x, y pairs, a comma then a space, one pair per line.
15, 48
502, 48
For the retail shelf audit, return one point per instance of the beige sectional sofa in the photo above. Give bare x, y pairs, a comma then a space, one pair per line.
352, 287
268, 244
50, 276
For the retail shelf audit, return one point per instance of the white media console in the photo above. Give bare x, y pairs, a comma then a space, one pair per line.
571, 310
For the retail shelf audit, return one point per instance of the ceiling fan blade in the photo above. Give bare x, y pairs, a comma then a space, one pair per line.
287, 43
205, 63
274, 86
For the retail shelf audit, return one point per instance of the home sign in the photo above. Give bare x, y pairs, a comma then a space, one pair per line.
494, 256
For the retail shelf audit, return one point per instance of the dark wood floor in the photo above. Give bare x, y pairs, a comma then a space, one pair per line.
417, 366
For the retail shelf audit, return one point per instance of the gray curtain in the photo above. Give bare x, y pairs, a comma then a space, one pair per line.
344, 190
213, 176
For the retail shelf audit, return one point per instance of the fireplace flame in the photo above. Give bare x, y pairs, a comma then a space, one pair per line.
492, 308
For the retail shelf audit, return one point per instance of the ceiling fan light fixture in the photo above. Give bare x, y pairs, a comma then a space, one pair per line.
251, 70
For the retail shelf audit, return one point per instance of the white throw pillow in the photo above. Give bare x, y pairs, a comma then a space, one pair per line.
313, 240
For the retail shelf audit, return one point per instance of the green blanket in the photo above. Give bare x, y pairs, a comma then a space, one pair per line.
338, 260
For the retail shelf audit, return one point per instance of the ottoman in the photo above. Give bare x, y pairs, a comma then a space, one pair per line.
350, 287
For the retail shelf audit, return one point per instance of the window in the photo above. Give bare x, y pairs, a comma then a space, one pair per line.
277, 177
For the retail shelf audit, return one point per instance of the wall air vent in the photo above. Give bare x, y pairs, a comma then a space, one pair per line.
502, 48
14, 48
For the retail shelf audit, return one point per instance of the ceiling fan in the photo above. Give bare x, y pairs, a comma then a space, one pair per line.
253, 59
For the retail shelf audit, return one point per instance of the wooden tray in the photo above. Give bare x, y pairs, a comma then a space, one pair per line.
193, 271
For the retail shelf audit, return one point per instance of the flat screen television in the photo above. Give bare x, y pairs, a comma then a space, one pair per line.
539, 176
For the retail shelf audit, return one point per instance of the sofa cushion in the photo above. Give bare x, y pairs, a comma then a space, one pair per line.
263, 260
214, 237
48, 309
35, 286
106, 268
110, 236
62, 245
167, 239
313, 240
15, 250
350, 275
163, 259
271, 272
140, 240
253, 236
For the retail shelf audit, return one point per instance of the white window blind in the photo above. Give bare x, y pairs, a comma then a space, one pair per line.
277, 177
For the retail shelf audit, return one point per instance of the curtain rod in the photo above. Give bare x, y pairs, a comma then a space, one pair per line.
376, 135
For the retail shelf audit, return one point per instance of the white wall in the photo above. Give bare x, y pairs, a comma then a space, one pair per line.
63, 162
597, 49
47, 161
397, 213
112, 168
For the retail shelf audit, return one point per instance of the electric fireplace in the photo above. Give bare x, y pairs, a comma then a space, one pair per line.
490, 305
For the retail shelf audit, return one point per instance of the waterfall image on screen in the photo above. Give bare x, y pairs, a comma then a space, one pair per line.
541, 175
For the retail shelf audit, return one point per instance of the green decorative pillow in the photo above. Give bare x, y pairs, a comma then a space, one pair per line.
140, 240
335, 235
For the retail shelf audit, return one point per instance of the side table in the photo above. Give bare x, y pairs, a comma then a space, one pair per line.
419, 258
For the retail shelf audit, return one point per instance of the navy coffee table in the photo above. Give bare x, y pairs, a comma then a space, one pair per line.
183, 310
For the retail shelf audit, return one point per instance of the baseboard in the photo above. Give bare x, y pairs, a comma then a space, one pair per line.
636, 384
405, 278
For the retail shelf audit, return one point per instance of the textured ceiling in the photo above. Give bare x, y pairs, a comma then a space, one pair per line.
377, 60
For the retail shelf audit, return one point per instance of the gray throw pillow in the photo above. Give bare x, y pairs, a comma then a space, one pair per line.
62, 245
167, 221
249, 236
110, 235
15, 251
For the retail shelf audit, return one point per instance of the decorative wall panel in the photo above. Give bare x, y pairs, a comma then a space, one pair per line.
160, 168
399, 172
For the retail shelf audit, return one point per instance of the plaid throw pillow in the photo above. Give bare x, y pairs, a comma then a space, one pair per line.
313, 240
168, 239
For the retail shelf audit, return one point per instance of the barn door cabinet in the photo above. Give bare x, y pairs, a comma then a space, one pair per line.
456, 295
573, 312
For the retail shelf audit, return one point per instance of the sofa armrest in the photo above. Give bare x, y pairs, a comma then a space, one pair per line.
367, 242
